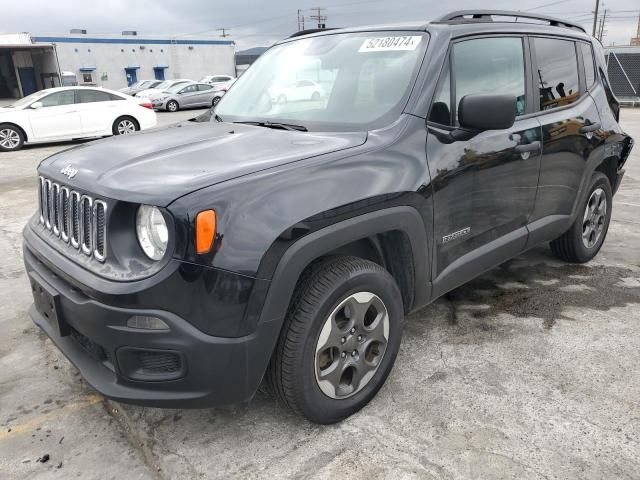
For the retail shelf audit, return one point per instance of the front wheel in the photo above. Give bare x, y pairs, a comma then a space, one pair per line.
339, 341
11, 138
584, 239
125, 126
216, 101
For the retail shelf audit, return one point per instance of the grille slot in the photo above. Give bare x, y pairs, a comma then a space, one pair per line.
77, 219
159, 362
55, 209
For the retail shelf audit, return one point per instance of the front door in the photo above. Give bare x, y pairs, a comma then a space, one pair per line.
57, 118
27, 80
483, 188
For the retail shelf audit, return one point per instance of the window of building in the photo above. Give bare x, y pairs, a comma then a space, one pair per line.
66, 97
557, 72
481, 66
589, 68
87, 77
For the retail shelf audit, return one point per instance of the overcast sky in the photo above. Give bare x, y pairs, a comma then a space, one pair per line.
256, 23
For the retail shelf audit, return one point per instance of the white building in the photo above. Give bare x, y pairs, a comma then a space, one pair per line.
31, 62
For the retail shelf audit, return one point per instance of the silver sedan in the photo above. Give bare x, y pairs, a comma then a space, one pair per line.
185, 95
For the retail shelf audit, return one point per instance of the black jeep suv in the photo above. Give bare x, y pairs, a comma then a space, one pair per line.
348, 178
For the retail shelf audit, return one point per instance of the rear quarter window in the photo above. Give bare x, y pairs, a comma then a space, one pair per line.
589, 68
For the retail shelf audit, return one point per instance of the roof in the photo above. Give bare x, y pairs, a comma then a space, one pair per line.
471, 26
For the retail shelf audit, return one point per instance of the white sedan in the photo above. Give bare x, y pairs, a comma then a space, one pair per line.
68, 113
297, 91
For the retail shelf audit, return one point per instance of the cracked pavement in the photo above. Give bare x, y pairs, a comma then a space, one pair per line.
531, 371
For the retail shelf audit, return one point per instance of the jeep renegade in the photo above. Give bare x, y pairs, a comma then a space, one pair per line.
287, 238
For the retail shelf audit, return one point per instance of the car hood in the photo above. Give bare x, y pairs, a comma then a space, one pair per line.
158, 166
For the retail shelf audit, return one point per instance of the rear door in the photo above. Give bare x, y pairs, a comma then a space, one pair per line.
98, 110
205, 94
58, 118
483, 188
571, 128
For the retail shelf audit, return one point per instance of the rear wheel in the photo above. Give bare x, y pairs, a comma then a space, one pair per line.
339, 341
584, 239
11, 138
315, 96
125, 126
172, 106
216, 101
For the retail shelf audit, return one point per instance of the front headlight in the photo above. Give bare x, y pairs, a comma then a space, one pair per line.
152, 231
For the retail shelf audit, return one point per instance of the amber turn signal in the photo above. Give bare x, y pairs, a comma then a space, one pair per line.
205, 231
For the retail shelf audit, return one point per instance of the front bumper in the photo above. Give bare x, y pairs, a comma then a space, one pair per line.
188, 368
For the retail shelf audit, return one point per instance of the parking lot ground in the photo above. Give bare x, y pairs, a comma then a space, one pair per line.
531, 371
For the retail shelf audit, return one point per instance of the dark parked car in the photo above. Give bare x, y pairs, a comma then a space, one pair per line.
287, 241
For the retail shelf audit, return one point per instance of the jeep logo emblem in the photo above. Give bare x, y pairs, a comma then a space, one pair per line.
69, 171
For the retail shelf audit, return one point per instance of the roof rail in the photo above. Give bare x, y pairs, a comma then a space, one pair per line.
309, 31
486, 16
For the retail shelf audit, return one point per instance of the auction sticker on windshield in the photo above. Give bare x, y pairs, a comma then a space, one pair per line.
386, 44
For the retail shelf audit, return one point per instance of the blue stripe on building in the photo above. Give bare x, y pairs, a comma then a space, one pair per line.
135, 41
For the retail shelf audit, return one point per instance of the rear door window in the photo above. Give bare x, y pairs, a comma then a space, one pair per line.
557, 75
93, 96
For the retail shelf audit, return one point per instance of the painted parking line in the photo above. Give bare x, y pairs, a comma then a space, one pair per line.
35, 422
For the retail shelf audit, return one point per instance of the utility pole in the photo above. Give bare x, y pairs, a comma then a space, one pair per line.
300, 20
224, 33
319, 17
595, 17
602, 26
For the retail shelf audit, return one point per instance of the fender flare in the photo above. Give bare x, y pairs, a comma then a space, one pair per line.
312, 246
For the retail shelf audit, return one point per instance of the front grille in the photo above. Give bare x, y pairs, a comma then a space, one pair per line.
74, 218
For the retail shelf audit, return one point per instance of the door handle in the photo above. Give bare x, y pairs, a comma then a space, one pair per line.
590, 127
528, 147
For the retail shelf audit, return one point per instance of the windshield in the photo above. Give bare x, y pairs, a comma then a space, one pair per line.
145, 84
163, 85
354, 81
29, 98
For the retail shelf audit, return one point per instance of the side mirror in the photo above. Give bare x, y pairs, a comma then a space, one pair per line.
36, 105
487, 112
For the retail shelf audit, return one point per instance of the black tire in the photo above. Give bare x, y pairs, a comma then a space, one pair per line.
125, 125
323, 287
571, 246
172, 106
11, 138
216, 101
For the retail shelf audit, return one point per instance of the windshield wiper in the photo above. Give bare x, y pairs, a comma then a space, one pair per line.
283, 126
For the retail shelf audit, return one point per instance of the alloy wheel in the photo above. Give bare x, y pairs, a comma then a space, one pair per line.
594, 219
9, 138
126, 127
351, 345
